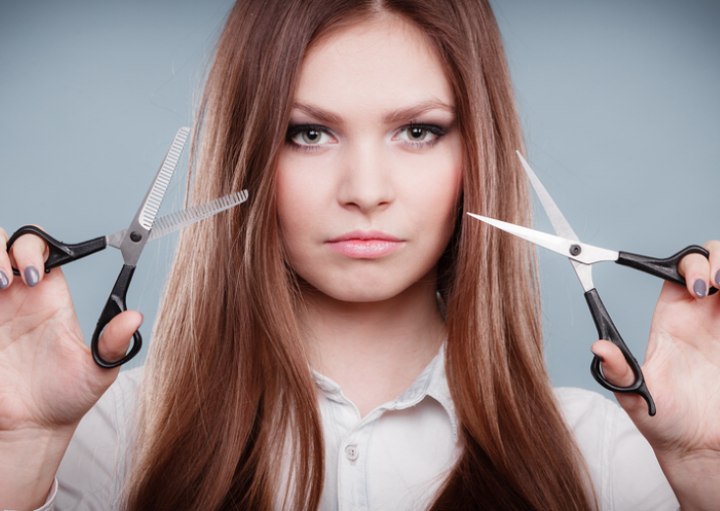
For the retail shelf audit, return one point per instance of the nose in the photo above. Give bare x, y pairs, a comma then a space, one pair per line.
366, 182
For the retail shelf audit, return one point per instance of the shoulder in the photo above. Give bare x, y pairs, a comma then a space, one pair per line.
621, 463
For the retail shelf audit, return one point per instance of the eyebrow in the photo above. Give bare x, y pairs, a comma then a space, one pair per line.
413, 111
394, 116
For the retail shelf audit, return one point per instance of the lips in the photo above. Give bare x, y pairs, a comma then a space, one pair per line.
365, 244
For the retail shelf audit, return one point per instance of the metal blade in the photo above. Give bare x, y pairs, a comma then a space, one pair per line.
151, 204
575, 250
175, 221
559, 222
557, 219
137, 233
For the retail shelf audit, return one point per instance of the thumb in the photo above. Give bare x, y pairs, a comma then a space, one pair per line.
117, 334
618, 372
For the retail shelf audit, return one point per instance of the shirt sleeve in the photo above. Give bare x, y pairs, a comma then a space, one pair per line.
94, 469
622, 465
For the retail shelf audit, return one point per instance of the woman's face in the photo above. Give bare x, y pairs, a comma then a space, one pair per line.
370, 173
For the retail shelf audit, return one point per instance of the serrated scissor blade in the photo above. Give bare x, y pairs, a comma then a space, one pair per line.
151, 205
175, 221
137, 233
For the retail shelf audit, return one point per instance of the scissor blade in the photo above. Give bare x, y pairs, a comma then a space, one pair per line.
139, 229
178, 220
575, 250
557, 219
151, 205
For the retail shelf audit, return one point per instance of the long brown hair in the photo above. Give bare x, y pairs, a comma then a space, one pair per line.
228, 392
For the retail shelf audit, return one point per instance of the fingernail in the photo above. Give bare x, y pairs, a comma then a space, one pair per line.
32, 277
717, 278
4, 281
699, 288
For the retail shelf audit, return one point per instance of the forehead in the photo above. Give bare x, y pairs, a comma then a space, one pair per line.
378, 60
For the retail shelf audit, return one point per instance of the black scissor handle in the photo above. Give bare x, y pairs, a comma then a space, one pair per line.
114, 306
666, 268
607, 330
59, 253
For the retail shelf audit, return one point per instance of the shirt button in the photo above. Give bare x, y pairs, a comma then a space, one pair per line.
352, 452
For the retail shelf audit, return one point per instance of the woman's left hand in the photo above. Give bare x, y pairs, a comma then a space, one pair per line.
682, 371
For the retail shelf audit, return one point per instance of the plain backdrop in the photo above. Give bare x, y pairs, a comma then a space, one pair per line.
619, 103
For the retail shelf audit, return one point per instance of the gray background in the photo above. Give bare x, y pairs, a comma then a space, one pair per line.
618, 100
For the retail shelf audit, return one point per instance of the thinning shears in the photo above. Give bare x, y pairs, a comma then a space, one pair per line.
131, 241
582, 256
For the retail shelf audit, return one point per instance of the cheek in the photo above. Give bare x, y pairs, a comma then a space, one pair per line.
286, 194
445, 198
300, 212
443, 188
291, 189
302, 186
448, 206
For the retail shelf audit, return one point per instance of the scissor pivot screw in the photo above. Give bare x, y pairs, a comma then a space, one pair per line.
575, 249
135, 236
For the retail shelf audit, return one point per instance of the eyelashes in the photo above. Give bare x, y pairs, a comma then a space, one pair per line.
420, 135
309, 137
313, 137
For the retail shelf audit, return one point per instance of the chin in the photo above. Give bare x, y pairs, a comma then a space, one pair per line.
360, 293
365, 288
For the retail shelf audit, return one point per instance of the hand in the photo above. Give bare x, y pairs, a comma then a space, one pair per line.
682, 371
48, 379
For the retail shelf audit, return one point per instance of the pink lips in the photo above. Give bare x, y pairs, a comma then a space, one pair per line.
365, 244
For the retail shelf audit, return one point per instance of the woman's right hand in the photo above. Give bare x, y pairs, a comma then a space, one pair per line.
48, 379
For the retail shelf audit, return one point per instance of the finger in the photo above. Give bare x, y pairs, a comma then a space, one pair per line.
714, 248
116, 336
619, 373
29, 253
614, 366
6, 274
696, 270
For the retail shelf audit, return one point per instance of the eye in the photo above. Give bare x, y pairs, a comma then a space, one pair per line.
308, 136
420, 135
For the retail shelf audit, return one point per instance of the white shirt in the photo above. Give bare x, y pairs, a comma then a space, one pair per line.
395, 458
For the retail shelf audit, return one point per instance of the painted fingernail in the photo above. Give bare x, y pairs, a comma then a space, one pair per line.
717, 278
32, 277
699, 288
4, 281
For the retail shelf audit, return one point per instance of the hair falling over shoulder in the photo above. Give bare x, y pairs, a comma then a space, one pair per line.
228, 391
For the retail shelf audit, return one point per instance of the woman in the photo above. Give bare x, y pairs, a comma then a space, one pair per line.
350, 340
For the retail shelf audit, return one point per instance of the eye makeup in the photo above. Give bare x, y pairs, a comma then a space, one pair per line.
308, 136
420, 135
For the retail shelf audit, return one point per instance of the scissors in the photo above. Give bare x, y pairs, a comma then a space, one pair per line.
131, 241
582, 256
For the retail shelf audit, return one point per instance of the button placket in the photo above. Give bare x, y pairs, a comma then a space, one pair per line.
352, 468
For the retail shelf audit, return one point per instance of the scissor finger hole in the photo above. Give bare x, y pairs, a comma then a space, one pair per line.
600, 376
113, 353
23, 249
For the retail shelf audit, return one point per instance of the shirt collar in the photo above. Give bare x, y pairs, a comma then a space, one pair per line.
439, 390
431, 382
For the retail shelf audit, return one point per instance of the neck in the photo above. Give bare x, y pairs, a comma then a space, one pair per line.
375, 350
